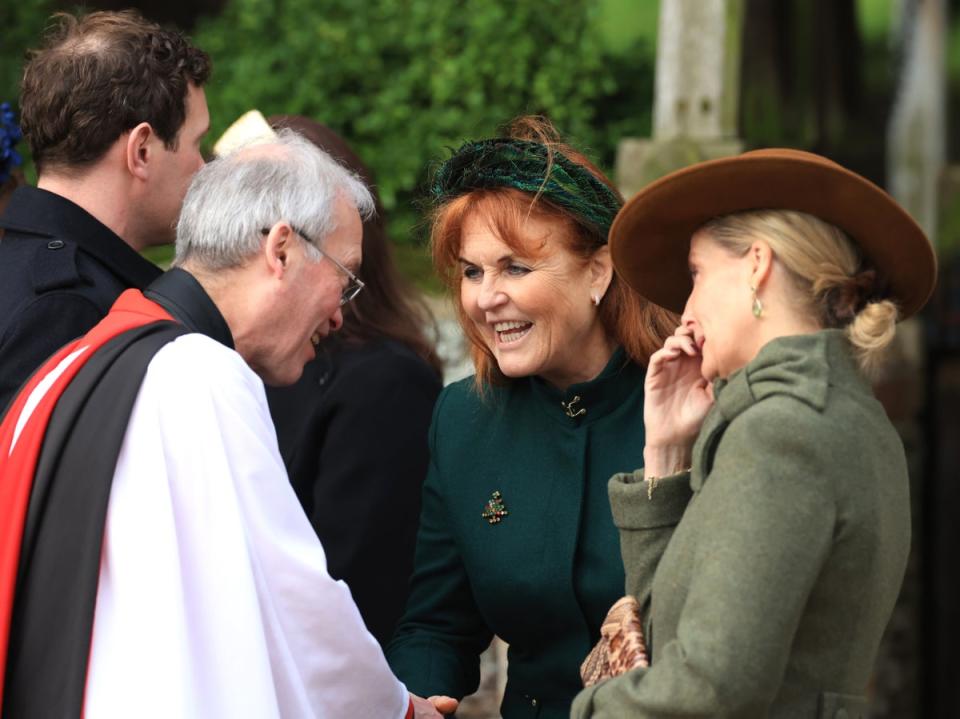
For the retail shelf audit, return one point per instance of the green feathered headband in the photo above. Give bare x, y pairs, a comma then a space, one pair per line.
524, 165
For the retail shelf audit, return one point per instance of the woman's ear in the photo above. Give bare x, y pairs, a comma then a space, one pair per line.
601, 272
761, 263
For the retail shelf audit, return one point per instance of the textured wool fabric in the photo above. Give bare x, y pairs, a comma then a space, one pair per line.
775, 589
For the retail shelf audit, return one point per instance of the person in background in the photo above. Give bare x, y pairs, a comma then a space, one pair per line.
776, 587
353, 430
516, 537
113, 109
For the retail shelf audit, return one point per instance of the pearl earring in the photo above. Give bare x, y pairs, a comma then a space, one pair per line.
596, 300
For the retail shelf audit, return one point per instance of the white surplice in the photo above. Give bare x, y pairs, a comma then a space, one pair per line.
214, 598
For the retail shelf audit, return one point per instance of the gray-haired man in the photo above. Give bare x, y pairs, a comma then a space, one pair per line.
167, 568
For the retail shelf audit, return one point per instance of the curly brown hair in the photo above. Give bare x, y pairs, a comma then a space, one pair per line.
97, 76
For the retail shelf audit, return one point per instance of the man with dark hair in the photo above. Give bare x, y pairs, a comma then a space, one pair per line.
113, 109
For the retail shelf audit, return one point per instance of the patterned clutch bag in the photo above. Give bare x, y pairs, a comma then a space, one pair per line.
621, 646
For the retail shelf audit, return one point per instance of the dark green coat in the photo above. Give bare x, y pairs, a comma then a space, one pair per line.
544, 577
775, 589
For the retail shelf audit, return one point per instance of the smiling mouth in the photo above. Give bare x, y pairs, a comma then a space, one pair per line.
512, 331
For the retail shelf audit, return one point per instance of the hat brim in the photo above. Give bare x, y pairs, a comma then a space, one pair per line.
650, 237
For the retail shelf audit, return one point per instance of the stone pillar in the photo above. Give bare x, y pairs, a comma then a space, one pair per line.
696, 92
697, 78
917, 133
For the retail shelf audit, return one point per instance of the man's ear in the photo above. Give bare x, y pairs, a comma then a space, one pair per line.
276, 249
139, 150
601, 272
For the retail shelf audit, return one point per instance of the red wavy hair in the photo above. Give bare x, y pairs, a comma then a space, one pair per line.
639, 326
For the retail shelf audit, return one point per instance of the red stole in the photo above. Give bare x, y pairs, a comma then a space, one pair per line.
17, 467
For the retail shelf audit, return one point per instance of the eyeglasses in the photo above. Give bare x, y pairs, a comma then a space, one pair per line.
354, 284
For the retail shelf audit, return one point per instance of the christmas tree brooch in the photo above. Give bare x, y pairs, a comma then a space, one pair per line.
495, 509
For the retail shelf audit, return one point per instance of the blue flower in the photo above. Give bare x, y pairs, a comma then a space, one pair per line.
10, 135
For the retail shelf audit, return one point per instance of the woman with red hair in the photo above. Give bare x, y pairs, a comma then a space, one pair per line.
516, 537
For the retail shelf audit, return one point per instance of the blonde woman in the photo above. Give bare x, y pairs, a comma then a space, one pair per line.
775, 589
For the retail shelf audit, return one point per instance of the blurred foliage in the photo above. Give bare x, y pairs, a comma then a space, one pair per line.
624, 22
948, 228
161, 255
22, 24
875, 18
405, 80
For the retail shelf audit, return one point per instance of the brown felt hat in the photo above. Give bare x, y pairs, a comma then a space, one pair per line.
650, 237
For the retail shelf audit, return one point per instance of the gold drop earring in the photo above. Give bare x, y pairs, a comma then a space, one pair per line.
757, 305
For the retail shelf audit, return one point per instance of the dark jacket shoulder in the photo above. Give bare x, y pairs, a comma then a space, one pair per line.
60, 271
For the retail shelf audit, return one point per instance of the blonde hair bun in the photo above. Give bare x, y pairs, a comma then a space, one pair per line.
871, 332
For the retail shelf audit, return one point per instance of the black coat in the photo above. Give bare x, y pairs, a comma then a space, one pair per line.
60, 271
353, 435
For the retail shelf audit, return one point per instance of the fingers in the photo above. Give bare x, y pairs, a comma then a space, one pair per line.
424, 708
675, 346
444, 704
682, 344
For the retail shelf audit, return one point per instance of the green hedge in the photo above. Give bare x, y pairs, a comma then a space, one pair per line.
404, 80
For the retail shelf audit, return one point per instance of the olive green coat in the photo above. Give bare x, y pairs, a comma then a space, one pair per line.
777, 584
543, 577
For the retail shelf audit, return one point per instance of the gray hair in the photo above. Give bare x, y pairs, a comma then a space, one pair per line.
235, 196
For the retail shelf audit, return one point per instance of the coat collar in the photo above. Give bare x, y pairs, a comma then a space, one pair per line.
620, 378
179, 293
804, 367
46, 214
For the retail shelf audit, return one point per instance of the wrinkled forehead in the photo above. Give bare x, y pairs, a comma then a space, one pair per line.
528, 229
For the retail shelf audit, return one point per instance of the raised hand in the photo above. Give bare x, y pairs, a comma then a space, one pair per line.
676, 399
